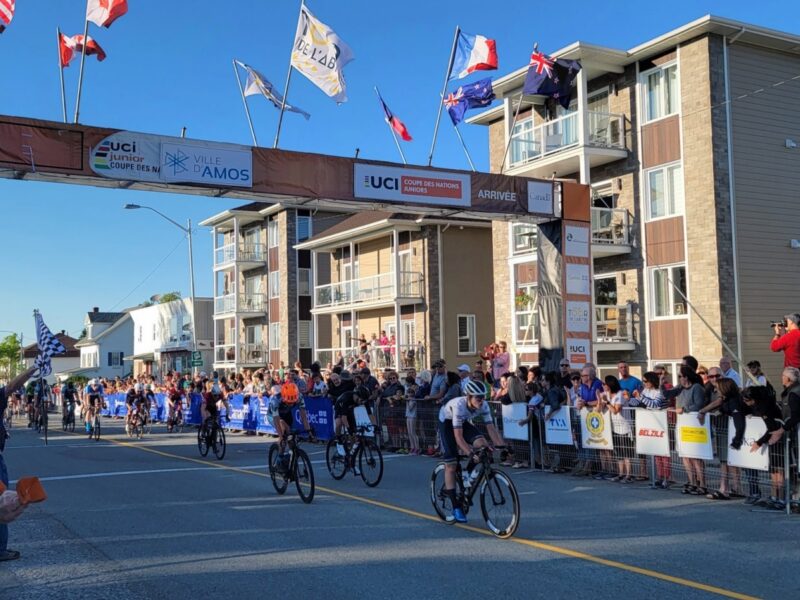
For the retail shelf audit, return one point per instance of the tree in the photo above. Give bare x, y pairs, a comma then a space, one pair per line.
10, 355
169, 297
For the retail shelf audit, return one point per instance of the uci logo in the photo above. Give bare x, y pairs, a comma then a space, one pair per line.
385, 183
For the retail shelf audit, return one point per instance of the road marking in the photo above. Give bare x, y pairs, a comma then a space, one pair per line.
124, 473
516, 540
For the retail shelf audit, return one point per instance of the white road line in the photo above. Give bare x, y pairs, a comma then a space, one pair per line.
143, 472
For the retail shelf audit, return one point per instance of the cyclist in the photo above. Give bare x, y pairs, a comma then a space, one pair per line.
174, 406
344, 412
42, 392
148, 400
68, 395
94, 400
457, 432
133, 401
285, 398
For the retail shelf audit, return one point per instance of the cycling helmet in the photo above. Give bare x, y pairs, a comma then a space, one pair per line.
474, 388
148, 387
289, 393
138, 387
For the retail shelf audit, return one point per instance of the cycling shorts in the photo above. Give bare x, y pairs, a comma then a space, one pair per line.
448, 438
94, 399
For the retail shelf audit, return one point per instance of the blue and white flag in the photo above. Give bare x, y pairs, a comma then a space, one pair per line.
49, 345
258, 84
43, 365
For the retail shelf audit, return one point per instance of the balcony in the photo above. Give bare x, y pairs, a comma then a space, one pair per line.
406, 356
613, 327
252, 304
249, 354
610, 232
555, 146
368, 291
249, 255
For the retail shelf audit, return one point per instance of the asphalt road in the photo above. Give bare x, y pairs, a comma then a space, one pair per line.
152, 519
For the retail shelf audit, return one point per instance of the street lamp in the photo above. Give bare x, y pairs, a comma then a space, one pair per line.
188, 231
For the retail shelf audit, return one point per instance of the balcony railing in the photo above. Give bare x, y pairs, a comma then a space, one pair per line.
604, 130
247, 303
402, 357
248, 354
247, 252
610, 226
369, 289
613, 323
224, 353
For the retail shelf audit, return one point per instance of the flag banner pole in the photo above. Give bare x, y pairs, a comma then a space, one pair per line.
286, 87
391, 129
83, 60
513, 123
464, 146
441, 96
244, 101
61, 74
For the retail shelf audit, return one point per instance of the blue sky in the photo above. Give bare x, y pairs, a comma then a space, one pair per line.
68, 248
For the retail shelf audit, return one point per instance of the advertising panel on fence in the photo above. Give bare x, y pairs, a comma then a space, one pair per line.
651, 432
512, 415
596, 430
362, 420
758, 460
557, 428
693, 438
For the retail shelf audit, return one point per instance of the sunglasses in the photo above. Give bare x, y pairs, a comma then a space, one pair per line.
714, 376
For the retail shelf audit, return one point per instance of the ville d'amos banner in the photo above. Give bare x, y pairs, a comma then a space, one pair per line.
652, 436
557, 429
693, 438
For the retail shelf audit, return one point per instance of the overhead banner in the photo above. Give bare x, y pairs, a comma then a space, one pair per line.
512, 415
557, 430
377, 182
596, 430
693, 438
652, 438
754, 429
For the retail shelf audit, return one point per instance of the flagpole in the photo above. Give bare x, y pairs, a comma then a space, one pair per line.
61, 74
39, 399
286, 87
441, 96
392, 131
246, 108
83, 60
460, 139
513, 123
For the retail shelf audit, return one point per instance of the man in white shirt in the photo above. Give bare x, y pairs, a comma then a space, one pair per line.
727, 370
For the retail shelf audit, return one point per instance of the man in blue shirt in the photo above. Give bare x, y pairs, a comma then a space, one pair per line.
628, 382
587, 396
439, 382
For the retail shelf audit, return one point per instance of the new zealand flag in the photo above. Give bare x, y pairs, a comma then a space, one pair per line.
474, 95
548, 77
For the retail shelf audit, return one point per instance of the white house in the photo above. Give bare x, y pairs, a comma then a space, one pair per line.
109, 339
162, 336
71, 359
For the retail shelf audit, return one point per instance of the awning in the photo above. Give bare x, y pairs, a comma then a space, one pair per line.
145, 356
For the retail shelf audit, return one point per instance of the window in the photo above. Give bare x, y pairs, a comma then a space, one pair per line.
665, 192
272, 234
274, 284
605, 290
466, 334
304, 282
661, 94
252, 335
115, 359
526, 317
667, 301
274, 336
524, 238
523, 143
304, 334
303, 228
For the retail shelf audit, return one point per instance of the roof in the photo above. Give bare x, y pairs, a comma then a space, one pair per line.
69, 343
117, 323
252, 212
105, 317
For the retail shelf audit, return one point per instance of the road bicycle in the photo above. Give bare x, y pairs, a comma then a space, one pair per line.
498, 495
94, 423
68, 418
291, 465
360, 455
175, 422
136, 426
211, 435
40, 418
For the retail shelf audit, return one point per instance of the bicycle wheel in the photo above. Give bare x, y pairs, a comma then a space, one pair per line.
304, 476
202, 441
96, 428
139, 428
337, 463
370, 462
218, 443
71, 423
500, 504
65, 422
441, 501
178, 424
279, 480
44, 425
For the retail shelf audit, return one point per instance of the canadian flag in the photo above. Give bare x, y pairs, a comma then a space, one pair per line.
70, 46
104, 12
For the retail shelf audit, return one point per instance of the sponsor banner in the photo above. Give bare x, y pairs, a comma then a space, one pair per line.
651, 432
540, 197
128, 155
578, 316
578, 280
376, 182
576, 242
200, 163
692, 438
578, 352
557, 428
362, 420
758, 460
512, 415
596, 430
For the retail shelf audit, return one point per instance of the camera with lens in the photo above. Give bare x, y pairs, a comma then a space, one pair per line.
781, 323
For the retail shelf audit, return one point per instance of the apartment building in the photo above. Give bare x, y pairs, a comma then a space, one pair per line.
417, 288
262, 285
690, 142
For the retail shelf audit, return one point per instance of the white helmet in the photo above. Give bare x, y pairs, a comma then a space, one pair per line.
138, 387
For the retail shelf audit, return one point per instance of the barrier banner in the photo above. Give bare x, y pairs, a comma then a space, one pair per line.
557, 428
692, 438
596, 430
512, 415
362, 420
652, 438
754, 429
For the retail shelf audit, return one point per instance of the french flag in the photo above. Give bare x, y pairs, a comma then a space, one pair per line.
473, 53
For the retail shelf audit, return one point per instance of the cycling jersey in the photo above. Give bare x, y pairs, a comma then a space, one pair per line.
281, 410
458, 411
